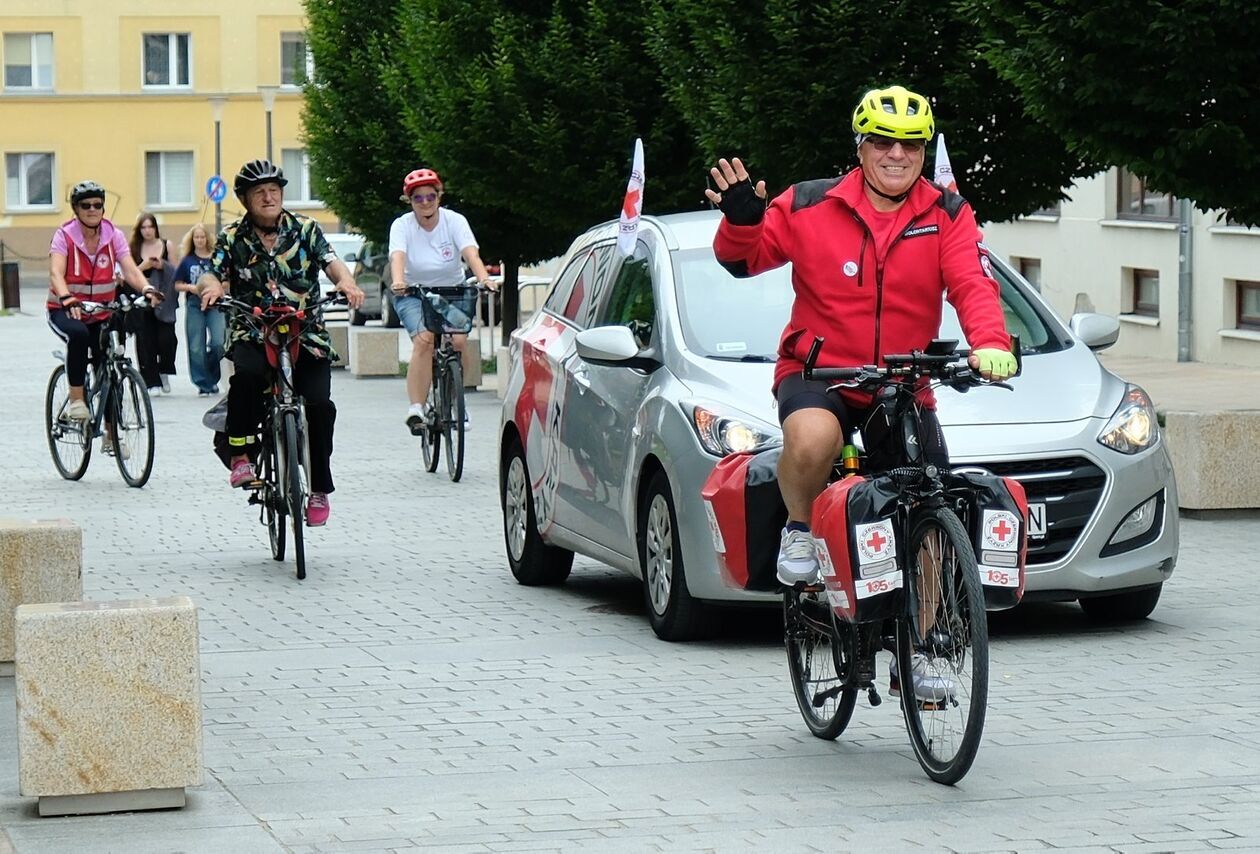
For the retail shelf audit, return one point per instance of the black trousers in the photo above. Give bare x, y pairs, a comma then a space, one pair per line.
156, 344
82, 340
312, 381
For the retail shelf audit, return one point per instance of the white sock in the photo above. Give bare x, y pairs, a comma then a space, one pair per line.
416, 409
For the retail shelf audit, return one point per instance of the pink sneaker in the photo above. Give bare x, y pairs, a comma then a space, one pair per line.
242, 474
317, 509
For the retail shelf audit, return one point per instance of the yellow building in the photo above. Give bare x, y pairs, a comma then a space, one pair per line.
126, 93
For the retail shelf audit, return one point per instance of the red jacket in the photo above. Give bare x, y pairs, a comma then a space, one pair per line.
865, 304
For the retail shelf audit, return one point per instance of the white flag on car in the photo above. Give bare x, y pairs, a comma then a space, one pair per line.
944, 172
632, 207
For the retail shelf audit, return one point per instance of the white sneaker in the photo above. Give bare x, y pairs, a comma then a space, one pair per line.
798, 558
77, 410
467, 423
929, 687
166, 385
107, 448
417, 420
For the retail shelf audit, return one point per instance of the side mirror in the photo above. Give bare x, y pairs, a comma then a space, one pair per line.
350, 258
1096, 331
614, 346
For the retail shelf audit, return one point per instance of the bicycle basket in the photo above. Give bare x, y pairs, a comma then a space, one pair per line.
449, 309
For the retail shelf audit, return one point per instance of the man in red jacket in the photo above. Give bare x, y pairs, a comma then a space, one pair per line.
872, 252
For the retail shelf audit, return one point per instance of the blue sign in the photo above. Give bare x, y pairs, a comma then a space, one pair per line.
216, 190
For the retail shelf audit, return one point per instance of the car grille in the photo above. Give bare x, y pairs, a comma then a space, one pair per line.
1070, 487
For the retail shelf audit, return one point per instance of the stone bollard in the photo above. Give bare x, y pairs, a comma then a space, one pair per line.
339, 332
1216, 457
373, 352
109, 704
40, 561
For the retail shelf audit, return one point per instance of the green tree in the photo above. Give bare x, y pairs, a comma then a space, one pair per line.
358, 147
1169, 90
775, 81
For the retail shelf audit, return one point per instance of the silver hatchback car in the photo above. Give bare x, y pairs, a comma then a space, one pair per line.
640, 372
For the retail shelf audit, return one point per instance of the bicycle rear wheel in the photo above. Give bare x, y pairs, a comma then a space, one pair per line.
945, 698
69, 442
821, 654
431, 436
296, 470
454, 422
133, 428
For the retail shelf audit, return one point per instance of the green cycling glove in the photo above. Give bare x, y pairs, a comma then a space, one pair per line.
994, 364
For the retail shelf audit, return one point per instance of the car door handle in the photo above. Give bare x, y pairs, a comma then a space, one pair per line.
582, 379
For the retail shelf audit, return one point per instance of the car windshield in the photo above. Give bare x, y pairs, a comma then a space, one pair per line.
344, 244
724, 317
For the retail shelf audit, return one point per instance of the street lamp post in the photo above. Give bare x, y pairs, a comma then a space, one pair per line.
268, 92
216, 108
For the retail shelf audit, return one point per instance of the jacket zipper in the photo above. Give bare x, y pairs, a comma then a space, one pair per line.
879, 283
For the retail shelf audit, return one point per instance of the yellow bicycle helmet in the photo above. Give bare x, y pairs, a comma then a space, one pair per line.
894, 112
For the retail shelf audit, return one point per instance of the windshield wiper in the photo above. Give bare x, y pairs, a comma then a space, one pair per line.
747, 357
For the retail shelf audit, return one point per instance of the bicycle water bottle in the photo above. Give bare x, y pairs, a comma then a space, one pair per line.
849, 460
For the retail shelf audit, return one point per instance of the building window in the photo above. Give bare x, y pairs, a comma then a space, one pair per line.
1050, 210
28, 180
1138, 201
166, 59
1249, 306
28, 61
1145, 285
297, 168
1030, 269
296, 63
168, 178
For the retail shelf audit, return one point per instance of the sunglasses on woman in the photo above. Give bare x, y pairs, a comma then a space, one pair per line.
91, 206
424, 198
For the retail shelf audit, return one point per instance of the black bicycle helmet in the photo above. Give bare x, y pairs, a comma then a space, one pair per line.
257, 172
86, 190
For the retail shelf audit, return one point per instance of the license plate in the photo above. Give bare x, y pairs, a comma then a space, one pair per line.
1037, 520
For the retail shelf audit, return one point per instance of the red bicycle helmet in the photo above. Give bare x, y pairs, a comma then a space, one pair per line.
420, 178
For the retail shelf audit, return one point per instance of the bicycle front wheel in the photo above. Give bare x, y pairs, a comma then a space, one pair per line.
453, 424
943, 647
69, 442
820, 655
272, 501
431, 436
295, 470
133, 428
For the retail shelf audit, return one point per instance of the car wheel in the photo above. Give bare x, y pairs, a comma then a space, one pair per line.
674, 614
533, 562
1134, 605
389, 319
357, 317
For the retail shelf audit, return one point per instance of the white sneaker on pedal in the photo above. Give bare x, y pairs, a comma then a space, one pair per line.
417, 419
798, 558
77, 410
929, 687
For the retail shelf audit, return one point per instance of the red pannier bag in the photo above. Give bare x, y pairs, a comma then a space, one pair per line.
996, 518
858, 551
746, 517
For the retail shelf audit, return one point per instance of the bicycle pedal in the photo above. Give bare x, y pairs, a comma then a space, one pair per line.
872, 697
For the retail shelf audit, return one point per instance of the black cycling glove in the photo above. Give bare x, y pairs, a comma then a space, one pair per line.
741, 205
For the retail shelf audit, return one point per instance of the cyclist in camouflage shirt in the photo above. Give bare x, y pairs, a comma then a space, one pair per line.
272, 255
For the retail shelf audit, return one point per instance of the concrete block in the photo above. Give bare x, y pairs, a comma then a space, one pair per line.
472, 363
40, 561
1216, 457
339, 332
373, 352
108, 700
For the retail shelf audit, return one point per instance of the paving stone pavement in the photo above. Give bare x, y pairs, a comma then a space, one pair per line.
410, 695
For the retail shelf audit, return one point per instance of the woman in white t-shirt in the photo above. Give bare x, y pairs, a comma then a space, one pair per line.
428, 246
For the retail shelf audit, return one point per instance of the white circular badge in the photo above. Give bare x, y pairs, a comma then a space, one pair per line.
850, 268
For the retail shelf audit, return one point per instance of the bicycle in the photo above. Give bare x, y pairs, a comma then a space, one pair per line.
282, 452
117, 400
831, 657
447, 311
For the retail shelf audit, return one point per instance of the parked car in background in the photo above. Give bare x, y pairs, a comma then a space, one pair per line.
640, 372
371, 271
347, 247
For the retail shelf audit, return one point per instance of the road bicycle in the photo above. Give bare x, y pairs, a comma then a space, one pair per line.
117, 401
941, 620
447, 311
281, 452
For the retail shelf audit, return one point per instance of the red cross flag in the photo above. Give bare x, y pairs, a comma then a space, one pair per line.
944, 172
632, 207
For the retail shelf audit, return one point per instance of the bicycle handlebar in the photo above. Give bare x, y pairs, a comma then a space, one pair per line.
947, 366
121, 303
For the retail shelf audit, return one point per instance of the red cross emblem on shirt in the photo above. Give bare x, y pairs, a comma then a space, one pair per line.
1002, 530
875, 542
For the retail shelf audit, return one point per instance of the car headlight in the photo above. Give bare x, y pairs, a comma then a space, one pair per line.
1133, 428
725, 432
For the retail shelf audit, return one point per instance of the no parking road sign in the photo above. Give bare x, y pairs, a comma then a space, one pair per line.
216, 189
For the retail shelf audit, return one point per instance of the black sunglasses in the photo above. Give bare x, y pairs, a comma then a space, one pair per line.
91, 206
885, 143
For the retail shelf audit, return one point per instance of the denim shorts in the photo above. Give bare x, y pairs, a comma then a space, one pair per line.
411, 313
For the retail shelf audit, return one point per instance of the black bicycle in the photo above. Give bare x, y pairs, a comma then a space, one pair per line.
117, 400
940, 633
447, 311
281, 452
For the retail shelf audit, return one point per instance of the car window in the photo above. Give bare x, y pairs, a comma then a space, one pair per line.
630, 300
729, 318
344, 244
1024, 316
559, 296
